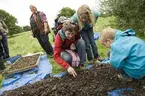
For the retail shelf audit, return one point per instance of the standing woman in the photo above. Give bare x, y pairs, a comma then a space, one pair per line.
40, 29
3, 32
86, 18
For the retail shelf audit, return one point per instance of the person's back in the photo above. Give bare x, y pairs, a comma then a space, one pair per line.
131, 48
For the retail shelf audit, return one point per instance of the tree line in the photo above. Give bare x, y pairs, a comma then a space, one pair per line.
127, 13
11, 22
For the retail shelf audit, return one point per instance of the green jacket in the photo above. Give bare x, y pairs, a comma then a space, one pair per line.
95, 13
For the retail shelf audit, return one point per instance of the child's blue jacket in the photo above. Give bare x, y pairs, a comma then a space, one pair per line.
128, 53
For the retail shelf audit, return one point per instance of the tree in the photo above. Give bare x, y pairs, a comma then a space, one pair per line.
128, 13
10, 22
66, 11
26, 28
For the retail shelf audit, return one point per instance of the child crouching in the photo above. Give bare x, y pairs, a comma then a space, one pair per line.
127, 52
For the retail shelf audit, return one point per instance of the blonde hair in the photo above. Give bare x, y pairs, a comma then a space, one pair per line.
107, 33
84, 9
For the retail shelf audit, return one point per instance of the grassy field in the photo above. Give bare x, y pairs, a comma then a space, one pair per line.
24, 43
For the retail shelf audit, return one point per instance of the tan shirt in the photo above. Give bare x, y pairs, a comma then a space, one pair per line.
3, 27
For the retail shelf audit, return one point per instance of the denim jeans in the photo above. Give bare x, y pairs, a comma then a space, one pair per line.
88, 37
80, 49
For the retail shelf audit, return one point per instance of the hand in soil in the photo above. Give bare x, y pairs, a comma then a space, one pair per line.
97, 81
71, 71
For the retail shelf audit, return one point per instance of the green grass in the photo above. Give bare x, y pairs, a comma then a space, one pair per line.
24, 43
103, 22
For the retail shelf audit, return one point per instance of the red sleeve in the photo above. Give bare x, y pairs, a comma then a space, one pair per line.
57, 50
59, 27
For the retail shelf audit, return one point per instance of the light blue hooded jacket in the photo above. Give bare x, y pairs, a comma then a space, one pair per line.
128, 53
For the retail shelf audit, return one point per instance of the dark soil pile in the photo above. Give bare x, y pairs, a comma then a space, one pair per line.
97, 81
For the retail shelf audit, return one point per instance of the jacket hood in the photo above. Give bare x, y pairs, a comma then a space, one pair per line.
128, 32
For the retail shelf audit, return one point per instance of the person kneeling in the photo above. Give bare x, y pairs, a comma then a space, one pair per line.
69, 48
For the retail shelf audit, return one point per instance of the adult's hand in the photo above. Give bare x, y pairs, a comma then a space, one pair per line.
71, 71
46, 30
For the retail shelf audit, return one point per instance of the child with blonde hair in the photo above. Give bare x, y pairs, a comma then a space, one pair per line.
86, 18
127, 52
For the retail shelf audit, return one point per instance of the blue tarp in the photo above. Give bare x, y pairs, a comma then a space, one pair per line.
119, 92
14, 81
43, 71
105, 61
96, 35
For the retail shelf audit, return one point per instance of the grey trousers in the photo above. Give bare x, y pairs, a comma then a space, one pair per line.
80, 49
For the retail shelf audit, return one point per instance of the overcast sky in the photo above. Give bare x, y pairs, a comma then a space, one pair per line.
20, 8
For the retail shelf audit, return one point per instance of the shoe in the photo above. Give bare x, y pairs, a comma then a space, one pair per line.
123, 78
98, 59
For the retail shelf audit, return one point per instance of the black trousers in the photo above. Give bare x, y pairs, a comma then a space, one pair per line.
44, 42
2, 66
5, 45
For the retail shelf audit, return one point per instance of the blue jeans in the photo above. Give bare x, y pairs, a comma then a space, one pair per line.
88, 37
80, 49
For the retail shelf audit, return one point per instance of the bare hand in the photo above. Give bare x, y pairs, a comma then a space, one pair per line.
72, 47
46, 30
71, 71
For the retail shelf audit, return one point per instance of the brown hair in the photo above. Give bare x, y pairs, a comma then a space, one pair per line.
84, 9
69, 25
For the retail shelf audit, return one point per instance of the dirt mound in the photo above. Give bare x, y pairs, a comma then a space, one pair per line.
97, 81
